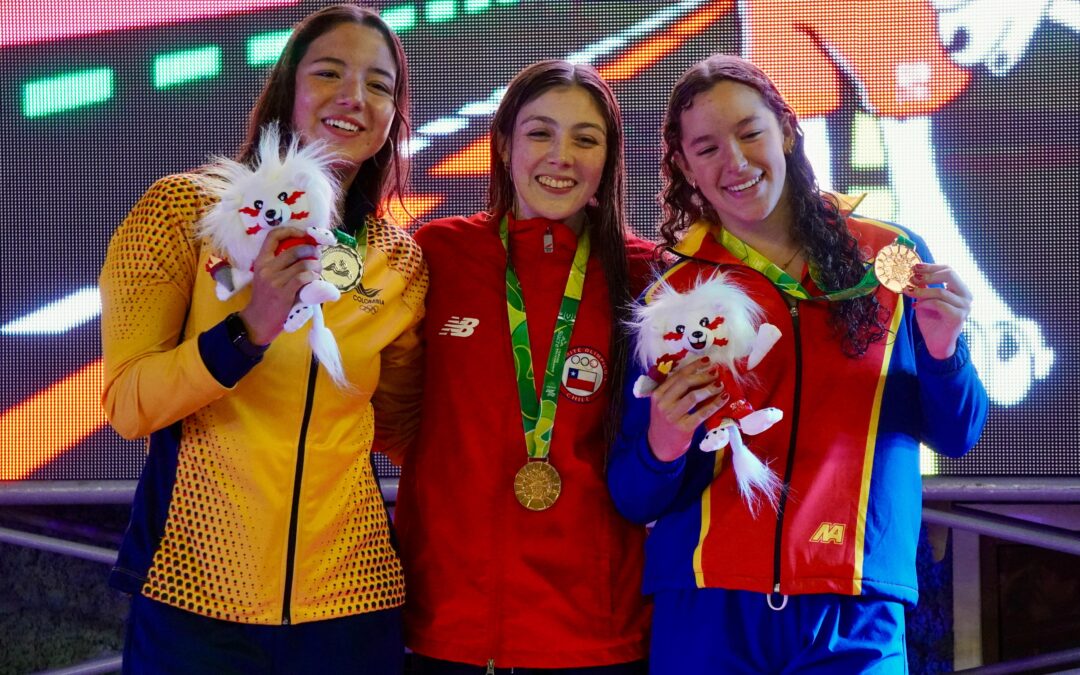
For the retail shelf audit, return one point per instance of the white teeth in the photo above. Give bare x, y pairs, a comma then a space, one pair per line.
342, 124
556, 182
747, 185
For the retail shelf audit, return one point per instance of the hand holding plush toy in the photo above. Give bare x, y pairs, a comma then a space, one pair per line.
295, 190
718, 321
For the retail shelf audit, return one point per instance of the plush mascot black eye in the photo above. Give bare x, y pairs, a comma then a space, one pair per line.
283, 196
258, 204
680, 329
704, 323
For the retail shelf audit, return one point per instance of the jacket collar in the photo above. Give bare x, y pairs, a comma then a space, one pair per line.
702, 239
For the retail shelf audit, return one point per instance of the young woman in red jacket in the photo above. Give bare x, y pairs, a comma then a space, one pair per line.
515, 557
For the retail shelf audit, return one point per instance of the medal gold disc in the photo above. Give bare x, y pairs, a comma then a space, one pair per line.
342, 267
893, 266
537, 485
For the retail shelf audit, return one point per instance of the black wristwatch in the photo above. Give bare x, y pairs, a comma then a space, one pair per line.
238, 335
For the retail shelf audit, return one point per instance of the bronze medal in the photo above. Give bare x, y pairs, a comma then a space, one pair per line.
342, 266
537, 485
893, 266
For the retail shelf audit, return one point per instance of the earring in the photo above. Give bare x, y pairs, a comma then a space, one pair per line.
789, 145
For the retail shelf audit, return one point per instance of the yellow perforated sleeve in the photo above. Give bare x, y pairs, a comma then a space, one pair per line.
153, 378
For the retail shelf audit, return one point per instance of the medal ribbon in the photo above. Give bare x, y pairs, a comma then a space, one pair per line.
782, 280
538, 416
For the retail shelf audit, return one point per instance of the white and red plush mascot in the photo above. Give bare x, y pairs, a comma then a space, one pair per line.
716, 320
295, 190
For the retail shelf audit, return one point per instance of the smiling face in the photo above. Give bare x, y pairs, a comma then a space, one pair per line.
733, 149
345, 93
556, 155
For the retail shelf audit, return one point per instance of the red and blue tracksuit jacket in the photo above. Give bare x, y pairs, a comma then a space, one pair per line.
847, 450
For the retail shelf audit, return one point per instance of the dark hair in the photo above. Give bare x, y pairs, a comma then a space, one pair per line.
606, 221
387, 170
818, 226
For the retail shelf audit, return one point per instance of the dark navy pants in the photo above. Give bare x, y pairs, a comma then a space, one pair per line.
712, 630
163, 639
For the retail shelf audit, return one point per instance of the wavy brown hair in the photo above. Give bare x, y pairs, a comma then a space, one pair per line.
818, 226
606, 220
385, 174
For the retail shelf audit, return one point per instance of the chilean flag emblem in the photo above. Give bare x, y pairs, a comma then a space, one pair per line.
583, 374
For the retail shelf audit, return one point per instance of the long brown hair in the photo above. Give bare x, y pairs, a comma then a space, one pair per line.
606, 221
383, 175
819, 226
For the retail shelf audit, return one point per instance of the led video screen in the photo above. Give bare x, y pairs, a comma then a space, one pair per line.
957, 118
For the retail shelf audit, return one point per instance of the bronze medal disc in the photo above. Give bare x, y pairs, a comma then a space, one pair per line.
893, 266
537, 485
342, 267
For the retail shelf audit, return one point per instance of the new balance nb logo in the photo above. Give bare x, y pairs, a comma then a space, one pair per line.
829, 533
459, 326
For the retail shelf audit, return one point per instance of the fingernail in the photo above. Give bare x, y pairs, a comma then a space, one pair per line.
704, 359
909, 289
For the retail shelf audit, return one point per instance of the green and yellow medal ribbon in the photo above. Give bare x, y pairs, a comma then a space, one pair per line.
538, 416
786, 283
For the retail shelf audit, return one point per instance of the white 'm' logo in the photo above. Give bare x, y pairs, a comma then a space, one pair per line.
459, 326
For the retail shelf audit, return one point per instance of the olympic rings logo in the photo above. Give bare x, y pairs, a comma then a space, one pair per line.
585, 361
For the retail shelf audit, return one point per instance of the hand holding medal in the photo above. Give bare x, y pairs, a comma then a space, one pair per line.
943, 303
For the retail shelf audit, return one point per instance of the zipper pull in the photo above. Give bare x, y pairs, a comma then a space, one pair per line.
794, 311
491, 662
549, 247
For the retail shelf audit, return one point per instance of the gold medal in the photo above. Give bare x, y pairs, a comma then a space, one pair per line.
537, 485
342, 266
893, 266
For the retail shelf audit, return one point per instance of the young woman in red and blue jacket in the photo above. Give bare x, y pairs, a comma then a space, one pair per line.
863, 377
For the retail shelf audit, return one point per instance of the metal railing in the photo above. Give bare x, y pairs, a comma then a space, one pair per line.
936, 490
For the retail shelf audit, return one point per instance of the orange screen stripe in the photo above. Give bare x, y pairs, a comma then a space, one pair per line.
649, 52
473, 160
411, 207
51, 422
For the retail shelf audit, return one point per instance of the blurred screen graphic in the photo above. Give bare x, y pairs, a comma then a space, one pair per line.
957, 118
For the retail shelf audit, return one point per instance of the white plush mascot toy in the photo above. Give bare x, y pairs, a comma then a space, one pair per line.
294, 190
716, 320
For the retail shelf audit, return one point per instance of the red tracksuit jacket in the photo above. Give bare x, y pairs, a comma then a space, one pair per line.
486, 578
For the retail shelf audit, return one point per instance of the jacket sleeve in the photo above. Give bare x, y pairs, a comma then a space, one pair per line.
398, 395
153, 377
953, 400
642, 487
